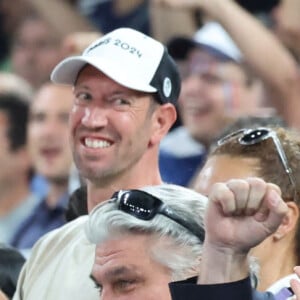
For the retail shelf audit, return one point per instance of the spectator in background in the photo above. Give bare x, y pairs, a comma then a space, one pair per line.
263, 52
107, 15
11, 262
51, 155
15, 85
273, 154
10, 14
61, 16
36, 49
249, 122
75, 43
286, 25
217, 88
16, 200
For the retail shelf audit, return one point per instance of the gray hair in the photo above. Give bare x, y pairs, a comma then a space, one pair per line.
177, 248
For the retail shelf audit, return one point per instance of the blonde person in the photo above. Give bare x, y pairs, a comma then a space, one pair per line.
272, 154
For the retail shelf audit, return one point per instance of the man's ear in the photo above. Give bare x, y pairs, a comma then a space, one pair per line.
289, 222
162, 120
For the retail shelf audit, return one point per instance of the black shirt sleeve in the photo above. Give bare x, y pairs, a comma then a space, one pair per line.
238, 290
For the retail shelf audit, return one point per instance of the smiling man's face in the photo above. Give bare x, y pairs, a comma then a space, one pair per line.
111, 127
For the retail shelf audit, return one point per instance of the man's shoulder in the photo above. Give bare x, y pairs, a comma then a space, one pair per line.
58, 246
63, 254
65, 235
68, 230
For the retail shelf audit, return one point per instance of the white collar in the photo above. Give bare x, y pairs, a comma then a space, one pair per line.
279, 284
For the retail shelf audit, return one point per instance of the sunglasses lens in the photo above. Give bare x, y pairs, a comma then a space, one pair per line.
254, 136
145, 206
139, 204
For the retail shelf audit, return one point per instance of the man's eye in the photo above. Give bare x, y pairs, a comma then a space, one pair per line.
82, 97
125, 284
121, 101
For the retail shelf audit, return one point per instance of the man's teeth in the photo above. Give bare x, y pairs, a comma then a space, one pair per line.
92, 143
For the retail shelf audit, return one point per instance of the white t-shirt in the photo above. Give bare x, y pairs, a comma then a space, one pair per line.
59, 266
281, 283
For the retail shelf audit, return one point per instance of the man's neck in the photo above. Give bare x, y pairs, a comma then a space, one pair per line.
99, 193
144, 172
279, 265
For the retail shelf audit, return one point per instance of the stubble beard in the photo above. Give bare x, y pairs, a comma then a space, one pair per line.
98, 176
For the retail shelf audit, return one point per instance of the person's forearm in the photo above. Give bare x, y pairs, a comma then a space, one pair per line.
164, 22
262, 50
61, 16
264, 53
221, 266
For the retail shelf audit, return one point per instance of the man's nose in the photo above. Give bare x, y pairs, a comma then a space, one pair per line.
95, 117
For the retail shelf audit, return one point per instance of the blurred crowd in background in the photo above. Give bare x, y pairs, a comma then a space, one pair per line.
240, 67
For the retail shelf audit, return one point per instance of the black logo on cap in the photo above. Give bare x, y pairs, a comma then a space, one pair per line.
100, 43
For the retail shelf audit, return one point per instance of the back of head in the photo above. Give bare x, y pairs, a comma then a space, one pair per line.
182, 252
13, 84
11, 262
261, 145
17, 111
130, 58
270, 152
251, 122
217, 87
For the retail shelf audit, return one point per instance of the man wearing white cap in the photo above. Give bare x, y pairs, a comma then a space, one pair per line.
216, 89
125, 88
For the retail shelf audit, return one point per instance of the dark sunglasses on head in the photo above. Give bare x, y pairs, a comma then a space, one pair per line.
257, 135
145, 206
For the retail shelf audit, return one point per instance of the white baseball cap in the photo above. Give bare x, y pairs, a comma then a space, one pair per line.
130, 58
211, 37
